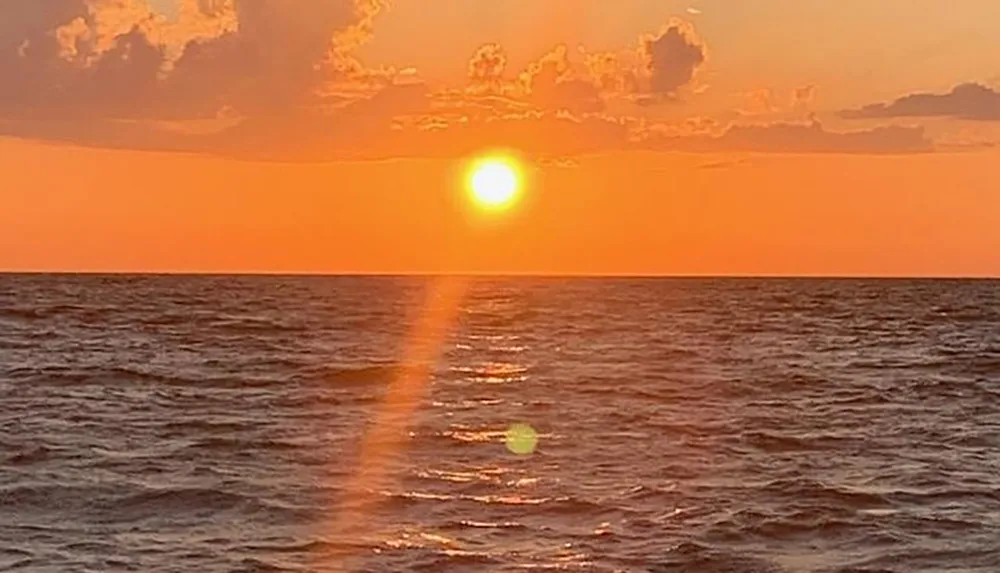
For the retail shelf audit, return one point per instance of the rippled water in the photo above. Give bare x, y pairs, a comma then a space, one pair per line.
211, 424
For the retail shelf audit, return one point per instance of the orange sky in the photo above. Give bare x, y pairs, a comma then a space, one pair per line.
298, 140
642, 213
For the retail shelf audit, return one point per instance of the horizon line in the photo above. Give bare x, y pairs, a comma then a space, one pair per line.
497, 275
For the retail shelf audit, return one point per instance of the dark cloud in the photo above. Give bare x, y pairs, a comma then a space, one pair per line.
65, 72
32, 65
969, 101
672, 58
58, 57
31, 21
282, 40
798, 138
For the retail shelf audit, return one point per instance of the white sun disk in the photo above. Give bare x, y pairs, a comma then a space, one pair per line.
494, 184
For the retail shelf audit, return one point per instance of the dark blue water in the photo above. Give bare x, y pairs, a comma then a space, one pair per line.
216, 424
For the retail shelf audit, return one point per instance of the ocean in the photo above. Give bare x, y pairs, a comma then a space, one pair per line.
224, 423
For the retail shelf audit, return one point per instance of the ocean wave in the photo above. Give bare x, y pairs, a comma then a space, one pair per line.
29, 455
39, 312
944, 494
774, 442
179, 499
44, 498
240, 444
694, 557
106, 504
89, 546
809, 524
435, 559
201, 425
21, 313
105, 376
647, 493
470, 524
253, 325
495, 318
255, 565
562, 505
170, 504
357, 376
65, 375
306, 546
808, 491
13, 558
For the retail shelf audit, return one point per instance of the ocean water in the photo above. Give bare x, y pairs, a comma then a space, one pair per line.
219, 424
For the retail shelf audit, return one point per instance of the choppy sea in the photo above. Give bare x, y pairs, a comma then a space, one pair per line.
174, 423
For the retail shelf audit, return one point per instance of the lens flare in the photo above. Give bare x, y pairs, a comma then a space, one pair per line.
521, 439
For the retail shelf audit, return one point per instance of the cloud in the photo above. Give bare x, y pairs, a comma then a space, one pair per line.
554, 83
608, 72
31, 21
672, 58
662, 67
99, 61
758, 102
277, 79
795, 138
117, 58
968, 101
402, 121
281, 45
487, 65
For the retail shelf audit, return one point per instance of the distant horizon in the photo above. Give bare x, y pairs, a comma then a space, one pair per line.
307, 274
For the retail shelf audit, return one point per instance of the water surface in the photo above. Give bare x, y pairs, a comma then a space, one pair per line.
210, 423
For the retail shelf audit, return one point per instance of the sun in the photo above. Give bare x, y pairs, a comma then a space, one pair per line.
494, 183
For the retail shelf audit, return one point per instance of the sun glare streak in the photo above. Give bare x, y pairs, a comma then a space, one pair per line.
388, 430
494, 184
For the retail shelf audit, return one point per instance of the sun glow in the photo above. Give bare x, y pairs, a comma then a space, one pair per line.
494, 183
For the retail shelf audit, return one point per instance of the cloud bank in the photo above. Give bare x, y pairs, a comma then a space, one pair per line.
787, 137
968, 101
278, 79
118, 59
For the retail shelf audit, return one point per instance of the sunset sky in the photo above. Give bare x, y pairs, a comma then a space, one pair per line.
721, 137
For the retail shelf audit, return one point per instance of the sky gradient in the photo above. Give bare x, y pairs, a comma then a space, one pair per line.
766, 137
